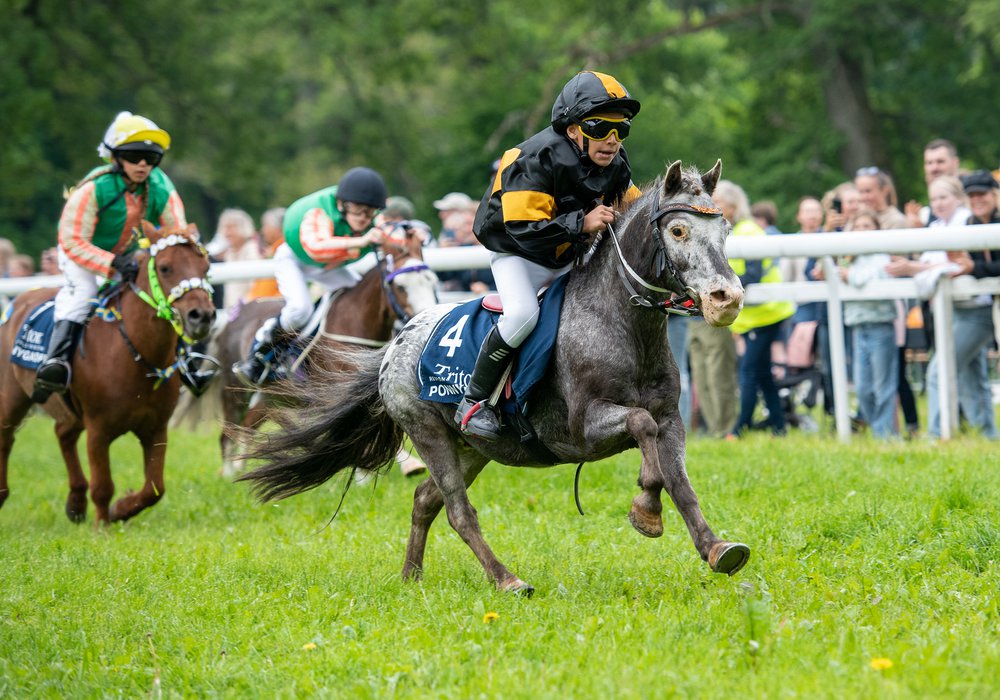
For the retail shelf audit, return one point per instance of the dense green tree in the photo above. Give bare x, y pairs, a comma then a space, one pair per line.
268, 101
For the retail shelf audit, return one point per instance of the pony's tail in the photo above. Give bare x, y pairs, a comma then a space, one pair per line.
337, 421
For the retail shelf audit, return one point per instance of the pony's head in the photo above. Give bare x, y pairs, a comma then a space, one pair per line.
173, 278
411, 284
689, 241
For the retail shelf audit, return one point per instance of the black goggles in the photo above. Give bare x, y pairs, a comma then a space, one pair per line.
600, 129
152, 158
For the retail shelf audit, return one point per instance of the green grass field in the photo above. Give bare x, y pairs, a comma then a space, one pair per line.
873, 575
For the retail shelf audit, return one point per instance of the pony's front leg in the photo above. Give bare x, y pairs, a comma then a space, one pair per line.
68, 434
722, 556
604, 422
102, 487
154, 450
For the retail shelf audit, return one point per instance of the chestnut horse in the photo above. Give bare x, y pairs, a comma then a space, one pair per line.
125, 373
399, 286
612, 385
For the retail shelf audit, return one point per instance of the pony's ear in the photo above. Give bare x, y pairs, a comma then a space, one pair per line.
672, 182
711, 178
192, 232
148, 234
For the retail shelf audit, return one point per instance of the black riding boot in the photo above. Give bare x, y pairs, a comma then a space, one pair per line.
475, 415
55, 372
261, 367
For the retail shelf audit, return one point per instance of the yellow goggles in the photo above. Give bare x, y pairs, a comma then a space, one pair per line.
600, 128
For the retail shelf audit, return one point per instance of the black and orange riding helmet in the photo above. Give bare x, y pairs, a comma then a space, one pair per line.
589, 92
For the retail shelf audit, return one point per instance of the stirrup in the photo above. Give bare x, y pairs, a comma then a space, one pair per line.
478, 418
44, 387
250, 372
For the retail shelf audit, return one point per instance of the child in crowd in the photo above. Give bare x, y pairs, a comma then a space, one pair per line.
876, 358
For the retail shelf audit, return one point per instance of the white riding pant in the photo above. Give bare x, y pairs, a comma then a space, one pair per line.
518, 281
74, 299
293, 277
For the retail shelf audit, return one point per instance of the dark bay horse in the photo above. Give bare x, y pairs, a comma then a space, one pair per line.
612, 385
398, 287
125, 376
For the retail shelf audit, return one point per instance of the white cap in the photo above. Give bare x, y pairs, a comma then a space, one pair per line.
454, 201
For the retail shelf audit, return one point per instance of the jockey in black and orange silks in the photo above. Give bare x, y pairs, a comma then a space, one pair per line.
95, 232
550, 198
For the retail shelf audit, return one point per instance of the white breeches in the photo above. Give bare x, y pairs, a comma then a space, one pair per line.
74, 299
293, 277
518, 281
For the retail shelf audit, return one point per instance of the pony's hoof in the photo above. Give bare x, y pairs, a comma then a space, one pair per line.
76, 508
728, 557
411, 466
646, 523
518, 587
74, 515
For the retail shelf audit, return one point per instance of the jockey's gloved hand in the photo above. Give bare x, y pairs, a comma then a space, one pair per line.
127, 267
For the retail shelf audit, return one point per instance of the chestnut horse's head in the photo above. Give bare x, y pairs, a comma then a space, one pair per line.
173, 275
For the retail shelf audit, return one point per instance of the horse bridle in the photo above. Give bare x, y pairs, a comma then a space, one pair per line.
388, 277
163, 303
684, 305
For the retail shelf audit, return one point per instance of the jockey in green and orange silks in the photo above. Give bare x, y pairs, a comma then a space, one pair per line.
95, 231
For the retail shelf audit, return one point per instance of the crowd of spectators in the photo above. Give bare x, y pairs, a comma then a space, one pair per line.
877, 330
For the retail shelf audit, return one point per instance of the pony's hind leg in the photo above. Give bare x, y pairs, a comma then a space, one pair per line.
13, 408
453, 467
76, 501
427, 503
154, 452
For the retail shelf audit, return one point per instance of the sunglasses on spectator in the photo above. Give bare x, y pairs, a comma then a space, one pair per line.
152, 158
601, 129
870, 170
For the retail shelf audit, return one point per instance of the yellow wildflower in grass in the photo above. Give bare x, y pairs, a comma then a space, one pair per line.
308, 647
880, 664
490, 617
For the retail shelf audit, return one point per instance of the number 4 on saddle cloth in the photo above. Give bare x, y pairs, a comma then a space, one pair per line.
450, 354
32, 343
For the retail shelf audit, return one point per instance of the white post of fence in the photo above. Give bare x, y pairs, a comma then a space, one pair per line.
838, 354
944, 356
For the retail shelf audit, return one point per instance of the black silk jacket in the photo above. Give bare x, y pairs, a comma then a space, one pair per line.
535, 206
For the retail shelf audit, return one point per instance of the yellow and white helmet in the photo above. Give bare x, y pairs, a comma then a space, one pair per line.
128, 128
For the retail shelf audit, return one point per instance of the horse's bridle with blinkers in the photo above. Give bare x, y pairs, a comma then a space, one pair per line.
684, 305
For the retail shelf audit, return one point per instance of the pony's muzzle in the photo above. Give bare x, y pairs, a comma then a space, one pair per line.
722, 304
198, 322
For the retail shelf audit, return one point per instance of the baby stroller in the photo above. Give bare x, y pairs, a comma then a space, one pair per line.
799, 380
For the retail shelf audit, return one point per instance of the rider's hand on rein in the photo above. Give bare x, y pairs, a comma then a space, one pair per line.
126, 266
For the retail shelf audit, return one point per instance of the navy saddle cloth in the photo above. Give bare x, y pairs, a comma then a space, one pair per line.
32, 343
450, 354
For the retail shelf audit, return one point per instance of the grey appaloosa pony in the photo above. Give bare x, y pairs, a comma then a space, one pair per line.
612, 385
